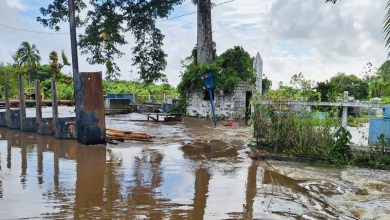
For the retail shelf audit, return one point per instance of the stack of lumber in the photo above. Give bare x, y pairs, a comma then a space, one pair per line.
121, 135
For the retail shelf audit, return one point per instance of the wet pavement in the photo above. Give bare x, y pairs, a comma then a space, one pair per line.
191, 171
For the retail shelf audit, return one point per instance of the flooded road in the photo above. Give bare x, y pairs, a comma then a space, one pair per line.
191, 171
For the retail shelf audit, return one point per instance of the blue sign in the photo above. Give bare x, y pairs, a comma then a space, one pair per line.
208, 81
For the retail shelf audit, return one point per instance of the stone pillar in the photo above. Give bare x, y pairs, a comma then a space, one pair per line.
344, 118
204, 35
258, 68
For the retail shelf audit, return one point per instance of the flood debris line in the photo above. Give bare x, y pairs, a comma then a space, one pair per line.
115, 135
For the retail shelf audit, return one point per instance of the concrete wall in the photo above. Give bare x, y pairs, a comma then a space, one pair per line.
230, 106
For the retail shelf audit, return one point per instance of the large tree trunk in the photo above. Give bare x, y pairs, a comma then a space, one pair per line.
205, 36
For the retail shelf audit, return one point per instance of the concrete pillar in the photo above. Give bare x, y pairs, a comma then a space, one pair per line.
204, 34
54, 104
38, 102
22, 99
344, 117
90, 117
12, 117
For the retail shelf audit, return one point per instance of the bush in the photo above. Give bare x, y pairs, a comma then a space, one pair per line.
294, 132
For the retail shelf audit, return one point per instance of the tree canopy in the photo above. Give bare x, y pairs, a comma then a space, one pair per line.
107, 23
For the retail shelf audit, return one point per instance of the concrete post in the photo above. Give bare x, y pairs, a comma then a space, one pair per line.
6, 98
54, 104
344, 118
22, 100
204, 33
38, 101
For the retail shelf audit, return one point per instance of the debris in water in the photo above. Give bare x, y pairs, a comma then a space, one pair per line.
114, 135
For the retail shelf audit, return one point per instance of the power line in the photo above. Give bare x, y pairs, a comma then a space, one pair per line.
62, 33
31, 31
190, 13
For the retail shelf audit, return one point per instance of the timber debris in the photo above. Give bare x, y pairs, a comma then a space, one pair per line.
115, 135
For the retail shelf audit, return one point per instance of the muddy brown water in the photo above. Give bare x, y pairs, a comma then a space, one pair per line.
191, 171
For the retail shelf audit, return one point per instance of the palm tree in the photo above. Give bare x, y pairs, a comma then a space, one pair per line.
28, 55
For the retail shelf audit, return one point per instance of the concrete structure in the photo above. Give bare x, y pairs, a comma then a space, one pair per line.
26, 124
12, 116
204, 33
229, 106
114, 101
44, 125
258, 67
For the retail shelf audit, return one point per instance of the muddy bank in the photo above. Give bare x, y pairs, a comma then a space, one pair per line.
191, 171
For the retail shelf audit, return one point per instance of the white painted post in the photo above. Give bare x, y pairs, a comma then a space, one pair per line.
344, 119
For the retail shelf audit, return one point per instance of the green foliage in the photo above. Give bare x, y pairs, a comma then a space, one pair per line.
9, 77
27, 55
341, 151
294, 132
106, 24
379, 84
229, 69
379, 161
55, 65
334, 88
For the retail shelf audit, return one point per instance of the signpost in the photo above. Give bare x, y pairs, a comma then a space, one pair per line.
209, 83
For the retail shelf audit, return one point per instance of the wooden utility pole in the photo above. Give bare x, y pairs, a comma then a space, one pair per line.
204, 35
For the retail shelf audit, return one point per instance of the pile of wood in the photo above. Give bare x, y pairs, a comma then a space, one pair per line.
113, 135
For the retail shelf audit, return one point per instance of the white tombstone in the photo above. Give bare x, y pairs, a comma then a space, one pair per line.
258, 67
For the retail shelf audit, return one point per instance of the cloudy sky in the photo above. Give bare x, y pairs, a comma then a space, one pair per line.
292, 36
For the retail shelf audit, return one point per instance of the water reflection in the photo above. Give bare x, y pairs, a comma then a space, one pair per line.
44, 177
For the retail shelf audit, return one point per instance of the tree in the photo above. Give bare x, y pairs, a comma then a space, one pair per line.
56, 66
106, 24
335, 87
379, 83
28, 55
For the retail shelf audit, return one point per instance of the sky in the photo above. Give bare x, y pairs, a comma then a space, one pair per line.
292, 36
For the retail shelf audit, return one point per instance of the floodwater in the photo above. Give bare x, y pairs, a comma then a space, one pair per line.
191, 171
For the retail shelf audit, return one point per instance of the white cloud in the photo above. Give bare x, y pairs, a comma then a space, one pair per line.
293, 36
18, 4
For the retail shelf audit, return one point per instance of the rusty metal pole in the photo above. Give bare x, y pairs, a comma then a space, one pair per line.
90, 124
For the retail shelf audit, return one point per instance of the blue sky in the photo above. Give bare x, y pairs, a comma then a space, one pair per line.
292, 36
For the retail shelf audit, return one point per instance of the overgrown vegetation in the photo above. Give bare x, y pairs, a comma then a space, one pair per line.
293, 132
229, 68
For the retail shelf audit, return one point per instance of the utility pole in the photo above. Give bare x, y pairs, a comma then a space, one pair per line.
205, 34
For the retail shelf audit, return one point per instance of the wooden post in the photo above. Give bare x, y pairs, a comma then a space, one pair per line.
38, 101
22, 100
344, 118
